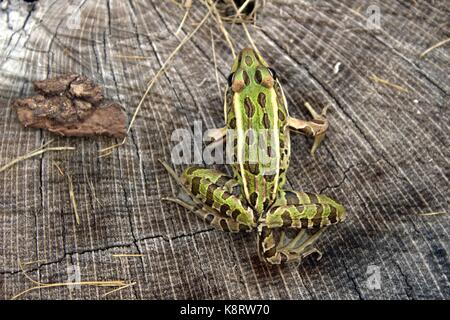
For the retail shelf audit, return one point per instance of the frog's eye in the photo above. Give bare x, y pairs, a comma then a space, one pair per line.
273, 73
230, 79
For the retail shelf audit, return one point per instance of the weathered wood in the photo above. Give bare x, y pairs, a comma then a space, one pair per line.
386, 157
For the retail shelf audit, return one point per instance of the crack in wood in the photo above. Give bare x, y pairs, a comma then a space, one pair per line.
134, 243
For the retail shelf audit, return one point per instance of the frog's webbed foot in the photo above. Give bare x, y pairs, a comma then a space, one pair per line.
276, 248
315, 128
301, 245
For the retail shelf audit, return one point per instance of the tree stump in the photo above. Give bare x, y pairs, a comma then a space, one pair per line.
386, 157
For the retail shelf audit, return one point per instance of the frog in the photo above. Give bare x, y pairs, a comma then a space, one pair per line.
287, 223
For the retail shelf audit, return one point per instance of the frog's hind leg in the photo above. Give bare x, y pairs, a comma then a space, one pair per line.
316, 128
296, 209
215, 198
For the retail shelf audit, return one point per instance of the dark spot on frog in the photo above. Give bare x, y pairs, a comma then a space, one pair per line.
249, 108
253, 198
258, 76
246, 78
195, 188
224, 208
262, 99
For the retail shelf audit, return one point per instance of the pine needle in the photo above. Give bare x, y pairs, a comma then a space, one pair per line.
437, 45
34, 153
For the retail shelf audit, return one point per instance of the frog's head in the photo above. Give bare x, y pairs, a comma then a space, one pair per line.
250, 68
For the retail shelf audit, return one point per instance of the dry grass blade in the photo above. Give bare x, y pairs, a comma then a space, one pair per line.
187, 5
437, 45
71, 191
432, 213
72, 199
120, 288
39, 285
215, 61
387, 83
212, 8
34, 153
92, 189
117, 283
61, 173
155, 78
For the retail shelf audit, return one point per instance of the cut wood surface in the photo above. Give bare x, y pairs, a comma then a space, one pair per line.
386, 157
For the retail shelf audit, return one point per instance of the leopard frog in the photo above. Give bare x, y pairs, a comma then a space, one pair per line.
287, 222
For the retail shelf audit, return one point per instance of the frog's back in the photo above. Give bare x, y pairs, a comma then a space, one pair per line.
257, 115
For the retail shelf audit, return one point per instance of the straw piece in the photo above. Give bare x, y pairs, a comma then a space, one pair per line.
34, 153
387, 83
213, 9
187, 5
441, 43
39, 285
431, 213
118, 289
72, 199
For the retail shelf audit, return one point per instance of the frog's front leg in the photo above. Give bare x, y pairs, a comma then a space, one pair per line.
303, 214
216, 134
215, 199
316, 128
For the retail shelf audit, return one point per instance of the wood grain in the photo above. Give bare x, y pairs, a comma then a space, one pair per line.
386, 157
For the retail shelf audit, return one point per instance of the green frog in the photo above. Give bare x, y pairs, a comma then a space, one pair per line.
287, 222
